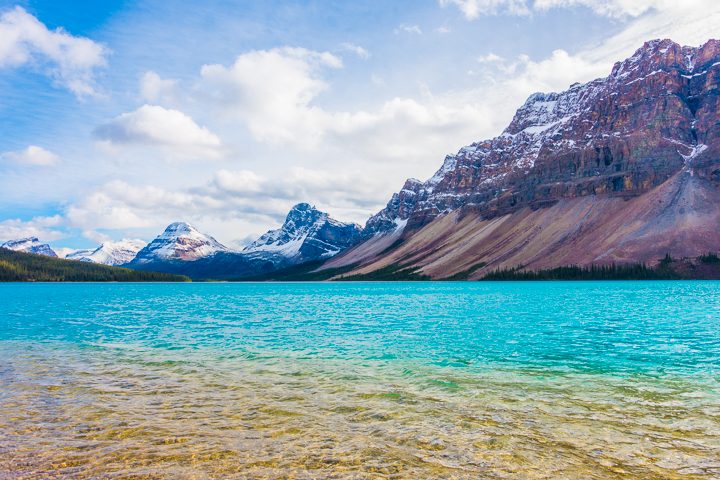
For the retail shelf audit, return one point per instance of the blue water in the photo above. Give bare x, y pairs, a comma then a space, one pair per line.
616, 326
361, 380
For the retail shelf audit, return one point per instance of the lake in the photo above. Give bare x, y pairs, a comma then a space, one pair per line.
399, 380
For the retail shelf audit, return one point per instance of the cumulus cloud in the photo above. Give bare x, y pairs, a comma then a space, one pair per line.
274, 93
120, 205
158, 126
44, 228
271, 90
70, 60
32, 155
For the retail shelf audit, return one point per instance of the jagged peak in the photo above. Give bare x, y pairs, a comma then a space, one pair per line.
302, 214
303, 222
664, 53
303, 206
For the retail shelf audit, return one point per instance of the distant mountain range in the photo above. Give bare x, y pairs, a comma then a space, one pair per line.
307, 235
110, 253
621, 170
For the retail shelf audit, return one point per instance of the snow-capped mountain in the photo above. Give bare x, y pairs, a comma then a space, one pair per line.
307, 234
623, 169
29, 245
620, 135
179, 242
110, 253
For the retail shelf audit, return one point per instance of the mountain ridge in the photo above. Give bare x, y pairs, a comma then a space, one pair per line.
631, 158
307, 235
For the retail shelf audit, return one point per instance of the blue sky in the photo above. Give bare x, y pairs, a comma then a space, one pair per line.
119, 117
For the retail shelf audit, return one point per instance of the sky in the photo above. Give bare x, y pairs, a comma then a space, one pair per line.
119, 117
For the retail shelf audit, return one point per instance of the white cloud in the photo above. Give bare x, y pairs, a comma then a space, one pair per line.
157, 90
271, 90
552, 74
157, 126
412, 29
356, 49
607, 8
70, 60
274, 93
32, 155
490, 58
473, 9
44, 228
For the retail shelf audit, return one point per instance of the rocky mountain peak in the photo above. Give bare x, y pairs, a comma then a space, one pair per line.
664, 55
179, 241
621, 135
306, 233
302, 215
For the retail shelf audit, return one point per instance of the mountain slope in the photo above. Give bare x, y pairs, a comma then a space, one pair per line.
621, 169
110, 253
29, 245
26, 267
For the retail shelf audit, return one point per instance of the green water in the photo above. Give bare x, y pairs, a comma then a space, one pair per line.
360, 380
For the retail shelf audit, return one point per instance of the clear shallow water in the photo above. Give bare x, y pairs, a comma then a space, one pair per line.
360, 380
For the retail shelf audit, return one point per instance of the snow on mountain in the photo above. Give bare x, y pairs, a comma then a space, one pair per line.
623, 135
180, 241
29, 245
307, 234
110, 253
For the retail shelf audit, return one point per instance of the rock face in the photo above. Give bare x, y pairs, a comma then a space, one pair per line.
307, 234
620, 136
179, 242
110, 253
29, 245
625, 168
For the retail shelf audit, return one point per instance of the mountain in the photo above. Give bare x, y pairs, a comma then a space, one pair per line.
29, 245
110, 253
307, 235
179, 242
26, 267
623, 169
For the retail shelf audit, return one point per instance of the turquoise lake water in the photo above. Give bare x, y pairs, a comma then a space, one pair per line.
360, 380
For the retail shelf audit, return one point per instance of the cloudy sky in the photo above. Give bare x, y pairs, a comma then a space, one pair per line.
121, 116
